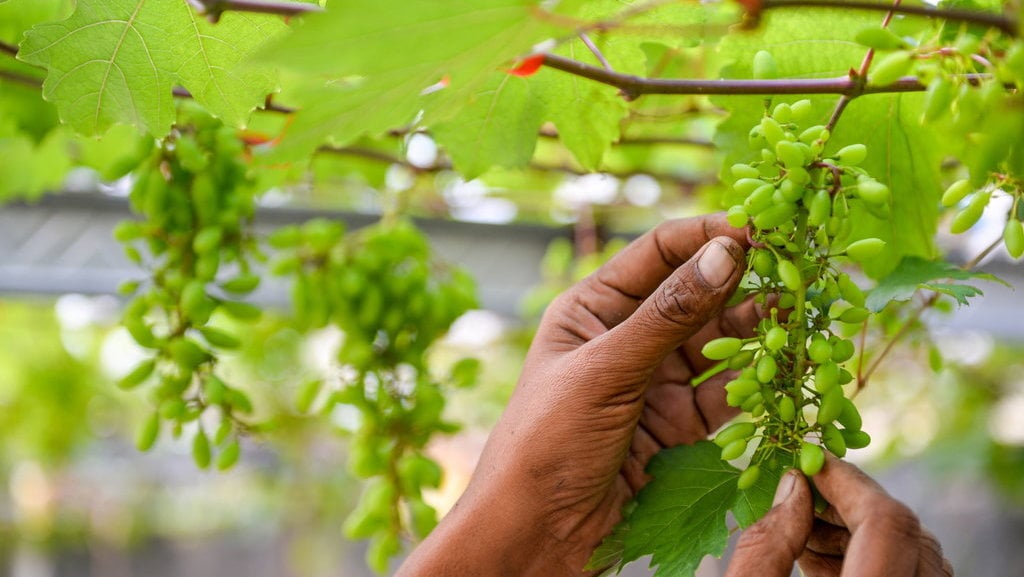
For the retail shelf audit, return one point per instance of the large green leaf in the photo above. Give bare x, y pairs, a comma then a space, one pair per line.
902, 152
916, 273
680, 517
116, 61
394, 62
498, 127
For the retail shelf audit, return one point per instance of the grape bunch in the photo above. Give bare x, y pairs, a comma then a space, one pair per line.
382, 288
796, 200
196, 203
971, 204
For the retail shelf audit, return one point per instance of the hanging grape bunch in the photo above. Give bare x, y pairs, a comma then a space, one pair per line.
382, 288
196, 204
797, 200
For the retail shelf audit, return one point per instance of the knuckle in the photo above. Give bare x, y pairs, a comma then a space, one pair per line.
896, 519
675, 304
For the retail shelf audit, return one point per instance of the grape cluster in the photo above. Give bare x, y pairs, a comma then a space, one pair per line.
971, 204
196, 203
382, 288
796, 200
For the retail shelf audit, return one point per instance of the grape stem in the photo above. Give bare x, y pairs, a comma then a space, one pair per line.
1005, 24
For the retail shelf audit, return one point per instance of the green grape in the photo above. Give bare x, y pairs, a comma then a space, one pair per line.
850, 291
423, 516
820, 208
880, 39
138, 375
382, 548
228, 455
763, 263
855, 439
241, 284
852, 154
201, 449
764, 67
741, 170
865, 249
782, 113
734, 449
855, 315
833, 440
767, 368
831, 406
219, 338
214, 390
776, 338
812, 459
737, 217
967, 217
721, 348
147, 435
735, 431
813, 133
956, 192
748, 477
937, 99
790, 275
1013, 237
819, 350
801, 110
774, 216
891, 68
207, 240
773, 133
849, 416
872, 192
420, 471
742, 388
826, 377
790, 154
842, 351
787, 409
759, 200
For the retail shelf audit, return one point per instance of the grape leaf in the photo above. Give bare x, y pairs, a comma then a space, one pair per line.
117, 61
754, 502
901, 152
915, 273
498, 127
387, 59
680, 516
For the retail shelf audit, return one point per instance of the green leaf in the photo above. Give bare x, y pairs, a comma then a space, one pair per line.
383, 62
116, 61
498, 127
680, 517
915, 273
754, 502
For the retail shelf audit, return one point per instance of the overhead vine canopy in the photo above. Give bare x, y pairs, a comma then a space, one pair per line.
830, 129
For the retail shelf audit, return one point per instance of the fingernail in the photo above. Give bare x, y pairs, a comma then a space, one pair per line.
716, 265
786, 484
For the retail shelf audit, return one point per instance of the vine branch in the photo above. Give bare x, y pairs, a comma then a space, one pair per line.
215, 8
1005, 24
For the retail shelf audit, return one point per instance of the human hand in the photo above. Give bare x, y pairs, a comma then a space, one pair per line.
863, 533
605, 386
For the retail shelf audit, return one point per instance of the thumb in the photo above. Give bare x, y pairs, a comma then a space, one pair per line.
769, 547
691, 296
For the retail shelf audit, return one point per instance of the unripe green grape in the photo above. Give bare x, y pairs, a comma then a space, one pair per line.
241, 311
207, 240
826, 377
423, 517
787, 409
745, 186
774, 216
420, 471
206, 266
138, 375
201, 449
865, 249
194, 302
856, 439
755, 138
937, 100
777, 239
812, 459
751, 403
787, 301
172, 409
737, 217
820, 208
855, 315
789, 154
1013, 237
782, 113
801, 110
764, 67
831, 406
850, 417
735, 431
789, 191
734, 400
873, 192
187, 353
734, 449
741, 359
748, 477
880, 39
852, 154
241, 284
789, 274
833, 440
891, 68
842, 350
763, 263
721, 348
228, 456
776, 338
767, 368
382, 548
759, 200
773, 133
798, 175
214, 389
813, 133
147, 435
956, 192
741, 170
219, 338
849, 290
966, 218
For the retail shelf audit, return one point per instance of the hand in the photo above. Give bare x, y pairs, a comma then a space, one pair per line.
605, 386
864, 532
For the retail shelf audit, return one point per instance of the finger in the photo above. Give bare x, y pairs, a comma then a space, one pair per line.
884, 532
930, 561
738, 321
682, 305
769, 547
827, 539
676, 413
818, 565
615, 291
